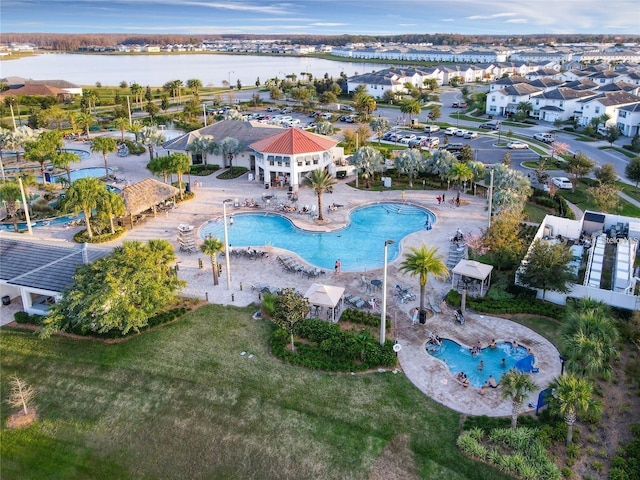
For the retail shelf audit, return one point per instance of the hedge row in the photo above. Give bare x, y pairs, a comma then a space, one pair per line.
519, 304
363, 318
332, 349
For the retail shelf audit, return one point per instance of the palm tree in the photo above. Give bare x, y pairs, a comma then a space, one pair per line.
136, 91
320, 180
121, 124
367, 160
84, 195
411, 108
56, 114
202, 146
572, 396
524, 108
422, 262
10, 194
45, 147
516, 386
85, 120
589, 338
160, 166
162, 251
227, 148
212, 247
410, 162
195, 85
379, 125
64, 160
179, 163
105, 145
112, 205
460, 173
151, 136
364, 104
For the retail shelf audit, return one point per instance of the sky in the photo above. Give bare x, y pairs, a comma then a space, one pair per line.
326, 17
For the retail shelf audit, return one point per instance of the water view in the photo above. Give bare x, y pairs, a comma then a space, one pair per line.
156, 70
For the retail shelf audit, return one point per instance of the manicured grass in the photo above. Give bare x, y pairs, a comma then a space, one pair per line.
181, 402
580, 198
630, 190
535, 213
624, 152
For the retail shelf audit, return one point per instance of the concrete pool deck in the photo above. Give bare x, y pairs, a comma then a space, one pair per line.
424, 371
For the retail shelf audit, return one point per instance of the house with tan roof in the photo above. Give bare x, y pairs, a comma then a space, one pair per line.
605, 103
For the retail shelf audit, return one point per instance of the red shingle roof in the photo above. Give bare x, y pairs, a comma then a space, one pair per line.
294, 141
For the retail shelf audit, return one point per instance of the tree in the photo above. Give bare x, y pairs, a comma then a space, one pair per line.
379, 125
559, 149
510, 189
440, 163
160, 166
290, 309
524, 108
164, 103
422, 262
367, 160
579, 165
136, 91
151, 136
212, 247
503, 240
21, 394
83, 196
323, 127
327, 98
605, 196
64, 160
43, 149
57, 115
613, 134
256, 99
111, 205
606, 174
227, 148
506, 159
460, 173
572, 396
195, 85
516, 386
84, 120
117, 293
632, 170
411, 108
10, 195
179, 163
410, 162
105, 145
152, 110
202, 146
434, 113
364, 104
466, 154
320, 181
589, 339
547, 268
121, 123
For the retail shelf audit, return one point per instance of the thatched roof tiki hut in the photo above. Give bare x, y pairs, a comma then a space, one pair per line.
146, 195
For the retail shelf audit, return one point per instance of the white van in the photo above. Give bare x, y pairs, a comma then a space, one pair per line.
431, 128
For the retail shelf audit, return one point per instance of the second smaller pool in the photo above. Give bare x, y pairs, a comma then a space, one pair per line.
459, 359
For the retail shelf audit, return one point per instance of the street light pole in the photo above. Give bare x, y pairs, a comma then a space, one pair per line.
490, 197
383, 313
226, 242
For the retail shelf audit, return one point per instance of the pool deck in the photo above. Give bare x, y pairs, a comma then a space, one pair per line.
425, 372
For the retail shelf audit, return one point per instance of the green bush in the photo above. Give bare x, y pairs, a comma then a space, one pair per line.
545, 201
233, 172
203, 170
363, 318
135, 148
83, 237
521, 303
24, 317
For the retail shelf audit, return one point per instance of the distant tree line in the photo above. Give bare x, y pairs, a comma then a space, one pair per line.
65, 41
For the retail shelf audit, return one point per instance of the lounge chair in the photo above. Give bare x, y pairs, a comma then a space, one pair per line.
434, 306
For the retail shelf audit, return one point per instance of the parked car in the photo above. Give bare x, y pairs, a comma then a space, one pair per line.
351, 119
470, 135
517, 146
459, 105
461, 133
272, 109
432, 142
286, 110
453, 147
451, 131
562, 182
431, 128
544, 137
407, 138
492, 125
348, 108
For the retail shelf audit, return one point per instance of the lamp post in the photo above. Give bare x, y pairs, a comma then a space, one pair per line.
204, 114
229, 78
226, 241
383, 313
490, 197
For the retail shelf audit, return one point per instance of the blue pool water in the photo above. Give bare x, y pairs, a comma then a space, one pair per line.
459, 359
359, 246
42, 223
81, 173
81, 153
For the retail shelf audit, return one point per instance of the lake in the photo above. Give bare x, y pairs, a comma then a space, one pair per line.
156, 70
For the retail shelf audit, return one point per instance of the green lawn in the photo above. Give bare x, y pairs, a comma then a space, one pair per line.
630, 190
535, 213
181, 402
580, 198
547, 327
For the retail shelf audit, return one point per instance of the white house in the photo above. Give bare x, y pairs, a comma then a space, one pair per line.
605, 103
559, 103
506, 100
628, 120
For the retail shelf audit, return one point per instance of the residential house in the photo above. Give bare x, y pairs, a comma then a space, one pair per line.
605, 103
559, 103
505, 101
628, 120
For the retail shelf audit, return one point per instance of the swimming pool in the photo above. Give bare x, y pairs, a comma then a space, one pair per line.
359, 246
80, 173
83, 154
459, 359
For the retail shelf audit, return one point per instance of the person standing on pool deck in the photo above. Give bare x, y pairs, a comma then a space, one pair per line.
443, 200
337, 266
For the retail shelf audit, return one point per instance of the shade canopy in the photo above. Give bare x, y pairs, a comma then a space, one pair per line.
146, 194
324, 295
473, 269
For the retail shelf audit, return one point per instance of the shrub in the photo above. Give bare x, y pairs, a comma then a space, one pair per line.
24, 317
203, 170
83, 237
363, 318
135, 148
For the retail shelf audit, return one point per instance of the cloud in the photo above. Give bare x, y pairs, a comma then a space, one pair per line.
328, 24
448, 20
517, 20
489, 17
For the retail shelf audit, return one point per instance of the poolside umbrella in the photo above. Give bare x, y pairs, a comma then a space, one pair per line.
326, 296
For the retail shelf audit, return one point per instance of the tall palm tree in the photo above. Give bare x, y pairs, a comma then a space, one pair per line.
410, 162
524, 108
460, 173
589, 338
227, 148
572, 396
10, 195
516, 386
212, 247
367, 160
43, 149
202, 146
83, 195
195, 85
179, 163
64, 160
320, 181
105, 145
422, 262
85, 120
379, 125
121, 124
160, 166
111, 205
151, 137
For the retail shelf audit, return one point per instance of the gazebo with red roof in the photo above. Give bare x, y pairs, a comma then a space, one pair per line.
288, 156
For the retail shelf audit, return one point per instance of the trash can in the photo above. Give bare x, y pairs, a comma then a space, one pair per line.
250, 177
423, 317
291, 188
6, 300
266, 186
187, 187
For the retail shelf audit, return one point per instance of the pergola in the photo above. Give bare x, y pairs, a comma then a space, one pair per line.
325, 296
472, 269
146, 195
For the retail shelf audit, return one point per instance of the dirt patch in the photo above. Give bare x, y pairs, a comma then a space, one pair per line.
19, 419
396, 461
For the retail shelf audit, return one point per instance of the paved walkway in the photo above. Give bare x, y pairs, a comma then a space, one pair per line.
428, 374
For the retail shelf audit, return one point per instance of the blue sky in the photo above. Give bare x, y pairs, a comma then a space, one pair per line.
328, 17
